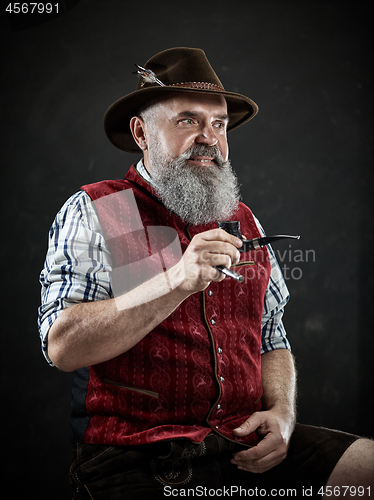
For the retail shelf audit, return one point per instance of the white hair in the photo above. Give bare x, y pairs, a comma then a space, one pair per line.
148, 113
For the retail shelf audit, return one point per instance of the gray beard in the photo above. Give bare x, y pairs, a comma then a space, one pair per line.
197, 194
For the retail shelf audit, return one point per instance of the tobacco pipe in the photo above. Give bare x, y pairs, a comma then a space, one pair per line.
233, 227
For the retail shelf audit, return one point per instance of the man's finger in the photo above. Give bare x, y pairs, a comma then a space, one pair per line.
249, 426
261, 450
221, 235
260, 465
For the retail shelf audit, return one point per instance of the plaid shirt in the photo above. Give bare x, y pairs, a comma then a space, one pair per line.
78, 268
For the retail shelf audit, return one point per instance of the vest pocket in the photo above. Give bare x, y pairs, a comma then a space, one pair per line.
146, 392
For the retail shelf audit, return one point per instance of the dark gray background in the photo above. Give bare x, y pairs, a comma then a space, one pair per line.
305, 164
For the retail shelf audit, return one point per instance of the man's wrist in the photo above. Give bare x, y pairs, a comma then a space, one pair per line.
286, 417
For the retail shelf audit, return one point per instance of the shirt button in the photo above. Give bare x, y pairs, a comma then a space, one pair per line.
222, 379
212, 322
210, 293
219, 350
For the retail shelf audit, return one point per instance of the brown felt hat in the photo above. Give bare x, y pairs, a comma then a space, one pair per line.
179, 69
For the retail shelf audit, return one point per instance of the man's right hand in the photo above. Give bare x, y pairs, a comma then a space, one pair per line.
211, 248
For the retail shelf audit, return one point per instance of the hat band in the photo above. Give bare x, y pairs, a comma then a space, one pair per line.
198, 85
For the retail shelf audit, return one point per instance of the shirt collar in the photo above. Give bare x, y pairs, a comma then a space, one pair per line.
144, 172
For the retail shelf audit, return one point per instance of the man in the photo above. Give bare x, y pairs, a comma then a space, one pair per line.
183, 377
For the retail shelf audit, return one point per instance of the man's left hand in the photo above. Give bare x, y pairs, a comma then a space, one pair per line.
272, 449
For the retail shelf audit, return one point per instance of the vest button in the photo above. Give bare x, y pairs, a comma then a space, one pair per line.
218, 407
210, 293
212, 321
219, 350
222, 379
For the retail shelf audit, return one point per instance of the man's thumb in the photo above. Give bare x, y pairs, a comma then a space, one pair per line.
249, 426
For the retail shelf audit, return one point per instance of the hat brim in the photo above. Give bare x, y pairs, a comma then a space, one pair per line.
117, 118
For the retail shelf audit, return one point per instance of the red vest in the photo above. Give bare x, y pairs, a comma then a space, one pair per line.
200, 369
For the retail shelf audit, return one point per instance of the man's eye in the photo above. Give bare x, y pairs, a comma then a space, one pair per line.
189, 121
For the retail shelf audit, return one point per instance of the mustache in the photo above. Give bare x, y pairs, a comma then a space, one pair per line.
203, 150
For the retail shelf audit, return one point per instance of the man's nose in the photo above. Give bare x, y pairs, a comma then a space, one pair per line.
207, 136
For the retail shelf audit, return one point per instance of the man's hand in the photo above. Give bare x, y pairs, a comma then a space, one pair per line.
272, 450
276, 423
208, 249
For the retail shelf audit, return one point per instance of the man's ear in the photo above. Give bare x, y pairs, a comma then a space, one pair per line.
137, 127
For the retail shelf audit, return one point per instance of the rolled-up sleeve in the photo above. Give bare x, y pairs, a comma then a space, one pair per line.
276, 297
274, 335
77, 266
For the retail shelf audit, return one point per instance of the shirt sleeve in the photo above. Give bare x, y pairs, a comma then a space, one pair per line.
77, 266
274, 335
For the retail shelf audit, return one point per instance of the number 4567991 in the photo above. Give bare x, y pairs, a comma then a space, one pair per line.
31, 8
344, 491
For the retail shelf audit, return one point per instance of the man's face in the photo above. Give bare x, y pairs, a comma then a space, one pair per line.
187, 155
186, 120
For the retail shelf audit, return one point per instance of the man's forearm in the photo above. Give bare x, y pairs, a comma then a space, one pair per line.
93, 332
90, 333
279, 383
